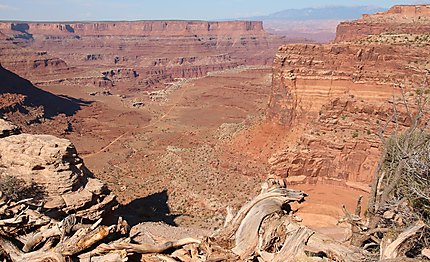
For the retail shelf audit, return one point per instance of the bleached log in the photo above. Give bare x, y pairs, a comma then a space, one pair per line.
287, 195
294, 245
246, 238
54, 231
17, 255
335, 250
15, 221
255, 229
141, 248
40, 237
82, 240
13, 252
390, 250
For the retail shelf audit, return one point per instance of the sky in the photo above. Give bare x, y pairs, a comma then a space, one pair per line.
102, 10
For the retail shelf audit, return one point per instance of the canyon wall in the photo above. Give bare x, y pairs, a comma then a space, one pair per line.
336, 97
158, 51
136, 28
399, 19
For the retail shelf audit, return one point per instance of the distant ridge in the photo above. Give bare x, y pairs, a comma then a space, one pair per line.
316, 24
321, 13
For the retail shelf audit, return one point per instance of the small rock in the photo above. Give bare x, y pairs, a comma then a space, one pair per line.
298, 219
138, 104
7, 129
389, 214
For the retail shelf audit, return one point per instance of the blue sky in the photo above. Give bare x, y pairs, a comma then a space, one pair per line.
68, 10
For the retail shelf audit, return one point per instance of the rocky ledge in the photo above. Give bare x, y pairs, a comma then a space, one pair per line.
399, 19
53, 164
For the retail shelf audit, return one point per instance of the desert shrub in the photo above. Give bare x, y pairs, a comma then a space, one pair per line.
17, 189
413, 150
355, 134
400, 191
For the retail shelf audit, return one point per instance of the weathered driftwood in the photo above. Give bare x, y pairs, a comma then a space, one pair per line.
142, 248
40, 237
246, 238
17, 255
293, 245
111, 257
277, 194
12, 251
264, 230
389, 248
82, 240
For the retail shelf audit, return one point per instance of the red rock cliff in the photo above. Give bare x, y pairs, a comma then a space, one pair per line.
333, 96
400, 19
157, 51
137, 28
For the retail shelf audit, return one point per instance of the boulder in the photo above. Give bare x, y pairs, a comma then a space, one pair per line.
54, 166
7, 128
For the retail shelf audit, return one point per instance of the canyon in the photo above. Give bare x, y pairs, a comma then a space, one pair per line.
139, 54
137, 98
192, 116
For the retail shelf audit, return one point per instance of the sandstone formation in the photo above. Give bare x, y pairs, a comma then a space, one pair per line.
155, 51
53, 164
339, 95
400, 19
137, 28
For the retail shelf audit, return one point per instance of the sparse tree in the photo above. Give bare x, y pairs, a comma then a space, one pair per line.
398, 212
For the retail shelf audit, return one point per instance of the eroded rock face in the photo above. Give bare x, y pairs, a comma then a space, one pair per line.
138, 28
54, 164
308, 76
400, 19
156, 51
338, 95
341, 146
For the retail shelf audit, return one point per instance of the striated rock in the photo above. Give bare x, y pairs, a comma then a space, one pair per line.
339, 147
136, 28
53, 164
400, 19
338, 94
309, 76
148, 53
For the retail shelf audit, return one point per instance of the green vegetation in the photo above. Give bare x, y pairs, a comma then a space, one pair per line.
400, 192
355, 134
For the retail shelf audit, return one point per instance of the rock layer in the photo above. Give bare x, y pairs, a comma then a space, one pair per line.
400, 19
338, 95
53, 164
158, 51
136, 28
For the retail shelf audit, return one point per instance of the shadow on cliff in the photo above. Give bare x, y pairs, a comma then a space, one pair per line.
53, 105
153, 208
